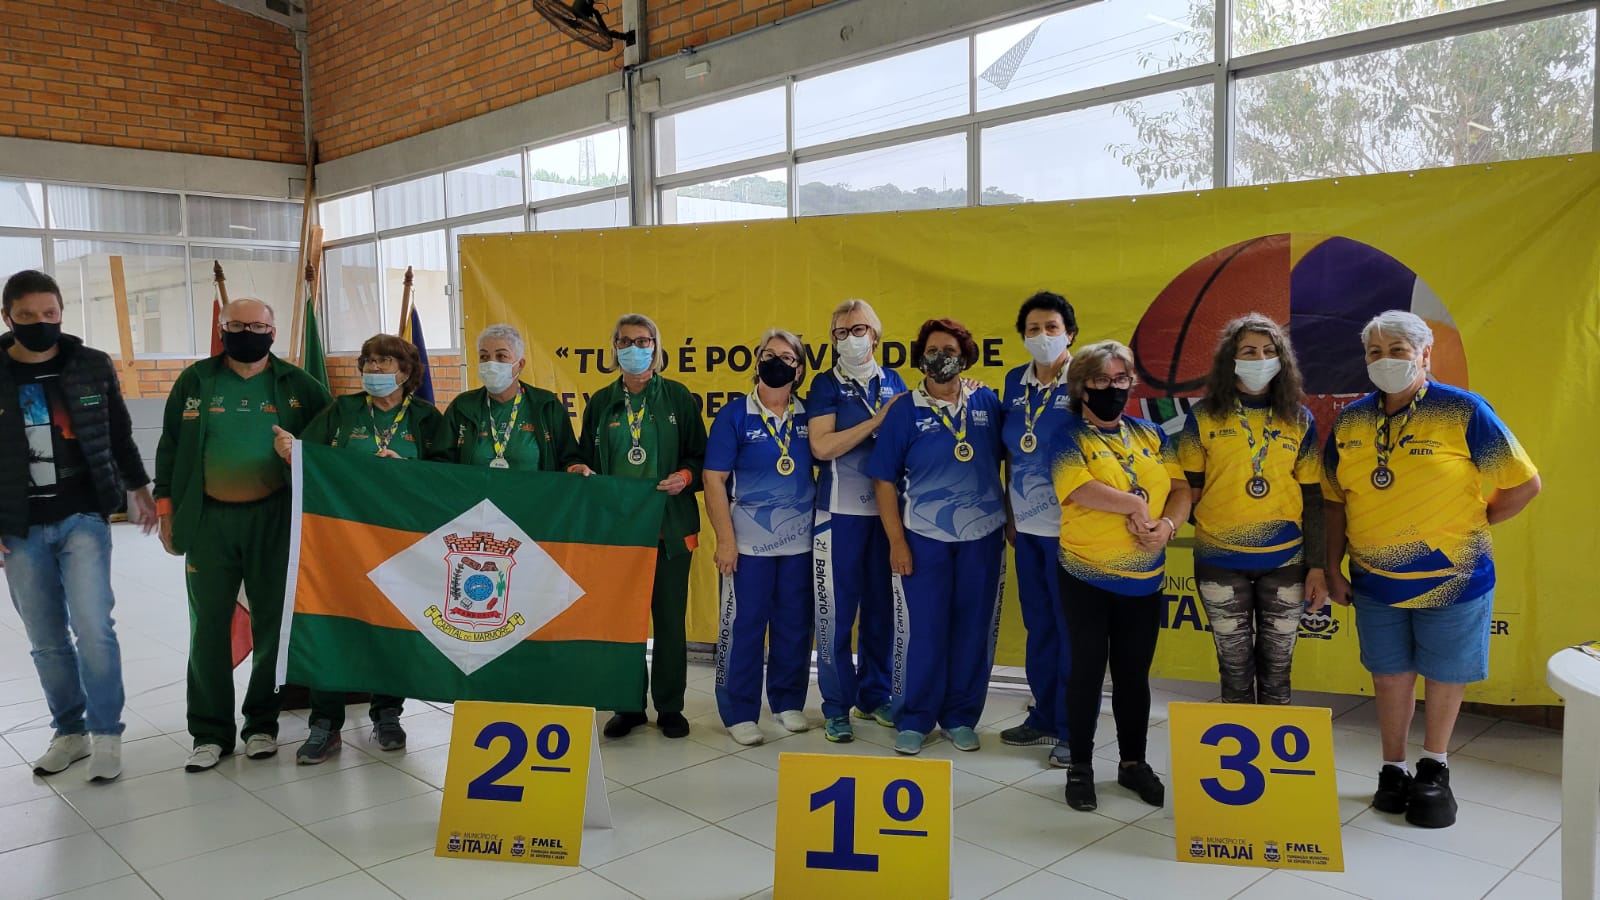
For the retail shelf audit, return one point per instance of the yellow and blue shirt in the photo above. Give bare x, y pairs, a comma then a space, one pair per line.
1422, 542
1096, 546
1234, 529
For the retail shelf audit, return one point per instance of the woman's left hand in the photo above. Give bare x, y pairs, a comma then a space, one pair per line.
972, 384
673, 484
1316, 589
1161, 531
386, 453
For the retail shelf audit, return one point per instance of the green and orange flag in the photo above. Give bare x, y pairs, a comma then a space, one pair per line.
448, 582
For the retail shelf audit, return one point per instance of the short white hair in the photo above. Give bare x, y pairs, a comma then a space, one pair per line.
1396, 323
788, 337
860, 306
503, 332
640, 320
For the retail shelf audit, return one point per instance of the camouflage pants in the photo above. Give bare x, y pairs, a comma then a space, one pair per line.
1254, 619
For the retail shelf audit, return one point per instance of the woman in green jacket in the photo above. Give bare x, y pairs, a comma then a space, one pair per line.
388, 420
646, 426
507, 424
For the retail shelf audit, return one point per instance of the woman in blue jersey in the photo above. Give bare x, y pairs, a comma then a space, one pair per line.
847, 405
1403, 475
759, 495
1251, 456
1036, 404
1122, 496
936, 475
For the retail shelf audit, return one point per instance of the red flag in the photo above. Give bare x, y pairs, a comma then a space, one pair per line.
216, 326
240, 627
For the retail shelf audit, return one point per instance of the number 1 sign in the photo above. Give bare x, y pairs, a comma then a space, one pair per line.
521, 783
856, 826
1255, 786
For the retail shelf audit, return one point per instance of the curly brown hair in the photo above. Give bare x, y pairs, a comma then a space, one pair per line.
969, 347
403, 351
1286, 394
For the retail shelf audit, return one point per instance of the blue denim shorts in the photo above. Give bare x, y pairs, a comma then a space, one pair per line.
1449, 644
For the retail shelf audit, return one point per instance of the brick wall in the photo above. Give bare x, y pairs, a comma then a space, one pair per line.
154, 377
383, 70
189, 76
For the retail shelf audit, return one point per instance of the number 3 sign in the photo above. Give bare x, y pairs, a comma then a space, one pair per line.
521, 783
1255, 786
857, 826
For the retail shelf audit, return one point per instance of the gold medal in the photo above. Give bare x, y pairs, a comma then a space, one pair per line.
499, 462
636, 455
1029, 442
963, 452
786, 465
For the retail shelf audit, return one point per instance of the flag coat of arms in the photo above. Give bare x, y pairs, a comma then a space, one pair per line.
448, 582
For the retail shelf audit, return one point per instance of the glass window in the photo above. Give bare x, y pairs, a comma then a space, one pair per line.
726, 132
270, 276
21, 204
764, 195
18, 253
1092, 45
1509, 93
430, 270
351, 297
156, 279
579, 165
486, 185
508, 225
1157, 143
349, 216
605, 214
922, 86
102, 209
1270, 24
923, 175
248, 220
410, 202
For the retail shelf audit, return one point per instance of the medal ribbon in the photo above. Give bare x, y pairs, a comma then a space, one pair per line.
960, 432
635, 421
1032, 415
788, 428
869, 394
501, 439
383, 438
1381, 439
1125, 461
1258, 455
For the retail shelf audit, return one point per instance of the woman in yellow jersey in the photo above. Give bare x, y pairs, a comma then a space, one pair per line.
1403, 477
1251, 455
1112, 473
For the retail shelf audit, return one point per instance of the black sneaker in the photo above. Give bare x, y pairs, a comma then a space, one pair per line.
1394, 788
1080, 788
387, 732
1432, 804
621, 723
1142, 780
1025, 736
672, 724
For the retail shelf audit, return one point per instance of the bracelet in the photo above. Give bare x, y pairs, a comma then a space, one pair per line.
1170, 524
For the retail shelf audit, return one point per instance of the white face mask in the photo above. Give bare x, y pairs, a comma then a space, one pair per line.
1392, 375
496, 376
1046, 348
1256, 374
855, 356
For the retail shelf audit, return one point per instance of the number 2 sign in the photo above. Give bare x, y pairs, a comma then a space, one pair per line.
854, 826
1255, 786
521, 783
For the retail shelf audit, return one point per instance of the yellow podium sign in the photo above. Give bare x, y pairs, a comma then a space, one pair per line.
1255, 786
860, 826
521, 783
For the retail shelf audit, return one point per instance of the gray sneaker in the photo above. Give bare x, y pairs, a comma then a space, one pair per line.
321, 742
105, 764
1060, 757
387, 733
65, 749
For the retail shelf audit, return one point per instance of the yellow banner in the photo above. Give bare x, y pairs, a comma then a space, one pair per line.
1504, 259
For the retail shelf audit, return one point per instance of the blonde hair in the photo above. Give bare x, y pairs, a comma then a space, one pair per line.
1090, 362
860, 306
789, 337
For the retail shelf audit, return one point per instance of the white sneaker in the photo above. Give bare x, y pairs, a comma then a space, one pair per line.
105, 764
260, 746
794, 720
747, 733
205, 756
65, 749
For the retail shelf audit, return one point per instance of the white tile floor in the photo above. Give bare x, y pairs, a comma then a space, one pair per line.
694, 818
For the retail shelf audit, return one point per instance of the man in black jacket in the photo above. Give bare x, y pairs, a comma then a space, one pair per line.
67, 459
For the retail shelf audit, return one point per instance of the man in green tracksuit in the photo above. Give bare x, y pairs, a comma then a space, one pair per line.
220, 490
645, 426
507, 424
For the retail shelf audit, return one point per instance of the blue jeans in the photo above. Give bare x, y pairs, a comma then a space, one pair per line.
60, 579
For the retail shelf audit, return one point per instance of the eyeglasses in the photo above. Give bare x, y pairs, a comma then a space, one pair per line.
788, 358
861, 330
378, 363
1101, 382
252, 327
644, 343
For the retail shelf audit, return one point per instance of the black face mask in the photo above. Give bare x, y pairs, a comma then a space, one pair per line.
1106, 403
942, 369
246, 346
775, 373
38, 336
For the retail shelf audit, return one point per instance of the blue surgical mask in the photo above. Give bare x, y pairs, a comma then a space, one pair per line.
379, 384
496, 376
636, 360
